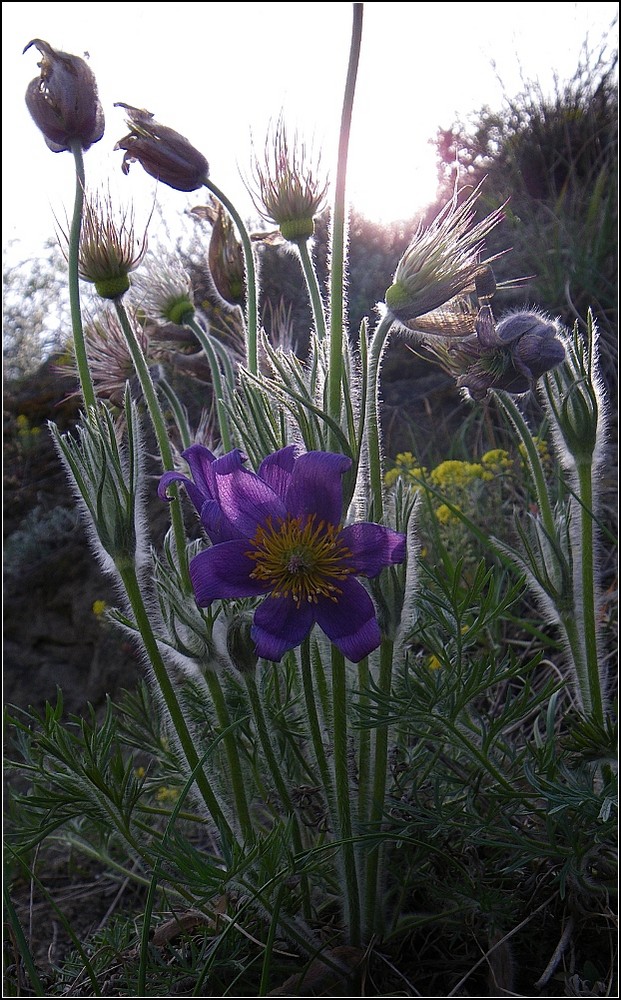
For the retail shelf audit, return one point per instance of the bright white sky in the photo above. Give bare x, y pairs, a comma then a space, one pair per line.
216, 71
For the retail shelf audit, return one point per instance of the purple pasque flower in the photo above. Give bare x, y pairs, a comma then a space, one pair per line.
279, 534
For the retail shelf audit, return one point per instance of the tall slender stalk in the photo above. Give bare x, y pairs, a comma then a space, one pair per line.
378, 791
128, 575
86, 382
313, 289
585, 592
313, 719
232, 756
216, 377
256, 704
178, 413
364, 743
372, 422
338, 225
343, 802
509, 406
579, 624
161, 434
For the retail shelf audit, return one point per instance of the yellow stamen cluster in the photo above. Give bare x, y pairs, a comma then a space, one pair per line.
300, 559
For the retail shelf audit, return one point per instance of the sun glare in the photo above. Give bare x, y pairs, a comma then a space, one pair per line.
397, 188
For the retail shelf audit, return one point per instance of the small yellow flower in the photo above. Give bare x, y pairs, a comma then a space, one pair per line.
444, 514
453, 473
166, 794
498, 460
542, 447
406, 467
99, 607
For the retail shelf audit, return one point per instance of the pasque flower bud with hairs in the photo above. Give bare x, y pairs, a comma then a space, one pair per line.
163, 153
63, 100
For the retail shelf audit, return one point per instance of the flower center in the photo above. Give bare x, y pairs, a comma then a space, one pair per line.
300, 559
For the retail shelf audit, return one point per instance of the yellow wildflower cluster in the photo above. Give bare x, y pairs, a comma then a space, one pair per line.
461, 491
496, 461
444, 514
26, 435
453, 475
542, 447
166, 794
406, 467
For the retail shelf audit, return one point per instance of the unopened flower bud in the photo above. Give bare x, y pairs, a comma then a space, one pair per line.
106, 479
575, 401
226, 260
510, 355
63, 100
163, 153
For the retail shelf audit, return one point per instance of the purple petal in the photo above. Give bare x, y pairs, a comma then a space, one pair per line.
373, 547
246, 501
280, 625
224, 571
350, 621
172, 477
218, 527
230, 462
316, 486
200, 460
276, 469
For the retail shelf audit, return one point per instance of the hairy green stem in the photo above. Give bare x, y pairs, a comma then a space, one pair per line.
256, 704
372, 422
378, 792
230, 746
585, 592
580, 626
313, 289
79, 343
216, 378
252, 314
227, 364
364, 743
161, 434
338, 225
313, 720
343, 802
178, 413
534, 460
134, 594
